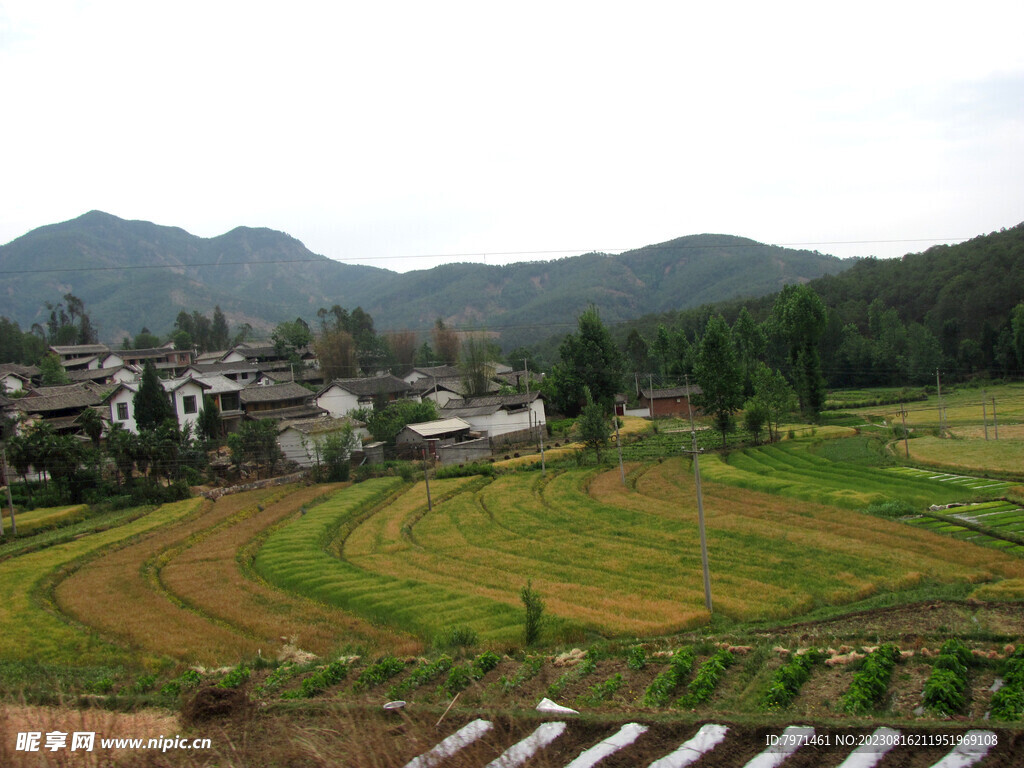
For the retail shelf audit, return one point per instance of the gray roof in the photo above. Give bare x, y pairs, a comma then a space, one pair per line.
488, 404
94, 374
45, 399
81, 350
222, 368
456, 384
270, 393
670, 392
295, 412
371, 385
317, 424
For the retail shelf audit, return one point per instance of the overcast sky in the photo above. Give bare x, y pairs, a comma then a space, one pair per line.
407, 134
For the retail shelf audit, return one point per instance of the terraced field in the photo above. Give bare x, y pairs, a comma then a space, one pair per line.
793, 469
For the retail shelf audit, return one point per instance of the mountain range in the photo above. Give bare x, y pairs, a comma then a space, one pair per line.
135, 274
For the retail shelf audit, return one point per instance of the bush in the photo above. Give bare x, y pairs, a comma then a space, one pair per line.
235, 678
534, 619
946, 688
465, 470
891, 509
706, 679
379, 672
871, 681
423, 674
667, 682
788, 679
452, 638
320, 681
636, 657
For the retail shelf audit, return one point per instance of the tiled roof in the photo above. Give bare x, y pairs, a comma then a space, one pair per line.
438, 427
317, 425
671, 392
45, 399
371, 385
272, 392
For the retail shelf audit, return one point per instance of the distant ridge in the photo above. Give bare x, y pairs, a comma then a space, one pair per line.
135, 273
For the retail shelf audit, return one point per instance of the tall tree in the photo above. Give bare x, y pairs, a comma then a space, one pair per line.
718, 375
588, 358
220, 335
799, 318
446, 343
475, 363
51, 372
336, 350
150, 403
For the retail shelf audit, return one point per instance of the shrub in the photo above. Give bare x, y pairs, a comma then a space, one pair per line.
320, 681
706, 679
788, 679
1008, 701
456, 637
236, 677
946, 688
636, 657
603, 691
666, 683
423, 674
534, 618
871, 681
891, 509
379, 672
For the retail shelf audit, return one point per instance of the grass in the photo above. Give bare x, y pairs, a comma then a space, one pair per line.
974, 454
33, 633
45, 517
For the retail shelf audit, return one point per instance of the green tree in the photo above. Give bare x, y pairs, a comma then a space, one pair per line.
799, 318
51, 372
750, 342
220, 336
209, 421
290, 337
775, 395
475, 362
754, 417
718, 375
592, 426
637, 352
255, 441
145, 340
335, 451
386, 423
587, 358
151, 404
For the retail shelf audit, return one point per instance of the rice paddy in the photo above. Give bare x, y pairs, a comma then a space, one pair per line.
370, 567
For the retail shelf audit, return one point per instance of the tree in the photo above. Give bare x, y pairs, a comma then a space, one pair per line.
335, 450
718, 375
289, 337
51, 372
386, 423
799, 318
255, 441
220, 336
588, 358
145, 340
150, 403
637, 352
446, 343
775, 395
592, 426
336, 351
402, 345
754, 417
750, 344
475, 364
209, 422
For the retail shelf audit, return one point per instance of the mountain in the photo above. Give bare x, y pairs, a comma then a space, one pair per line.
132, 274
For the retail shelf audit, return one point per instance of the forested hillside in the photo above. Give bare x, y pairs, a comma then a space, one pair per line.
956, 308
134, 274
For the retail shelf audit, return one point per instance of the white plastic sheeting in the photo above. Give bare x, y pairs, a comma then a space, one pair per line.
626, 735
519, 753
707, 738
461, 738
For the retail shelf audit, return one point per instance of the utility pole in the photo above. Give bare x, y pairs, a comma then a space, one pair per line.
995, 421
906, 443
426, 479
650, 396
7, 486
618, 443
984, 415
700, 502
938, 388
540, 427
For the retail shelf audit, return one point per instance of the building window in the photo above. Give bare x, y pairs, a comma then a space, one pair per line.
122, 411
188, 402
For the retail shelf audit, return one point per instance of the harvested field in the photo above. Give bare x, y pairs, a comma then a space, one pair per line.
211, 575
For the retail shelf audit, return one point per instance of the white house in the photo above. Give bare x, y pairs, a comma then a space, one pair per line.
302, 440
16, 378
185, 396
342, 396
495, 415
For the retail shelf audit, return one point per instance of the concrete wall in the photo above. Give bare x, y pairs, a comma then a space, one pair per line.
465, 452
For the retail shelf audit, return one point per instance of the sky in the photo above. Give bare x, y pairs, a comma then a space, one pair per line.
404, 135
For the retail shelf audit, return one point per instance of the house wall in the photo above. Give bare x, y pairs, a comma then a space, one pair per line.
302, 448
182, 392
502, 422
124, 396
338, 402
465, 452
668, 406
12, 383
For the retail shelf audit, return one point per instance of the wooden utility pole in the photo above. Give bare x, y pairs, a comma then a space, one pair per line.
938, 389
906, 443
7, 487
426, 479
618, 443
650, 396
995, 421
700, 502
984, 415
